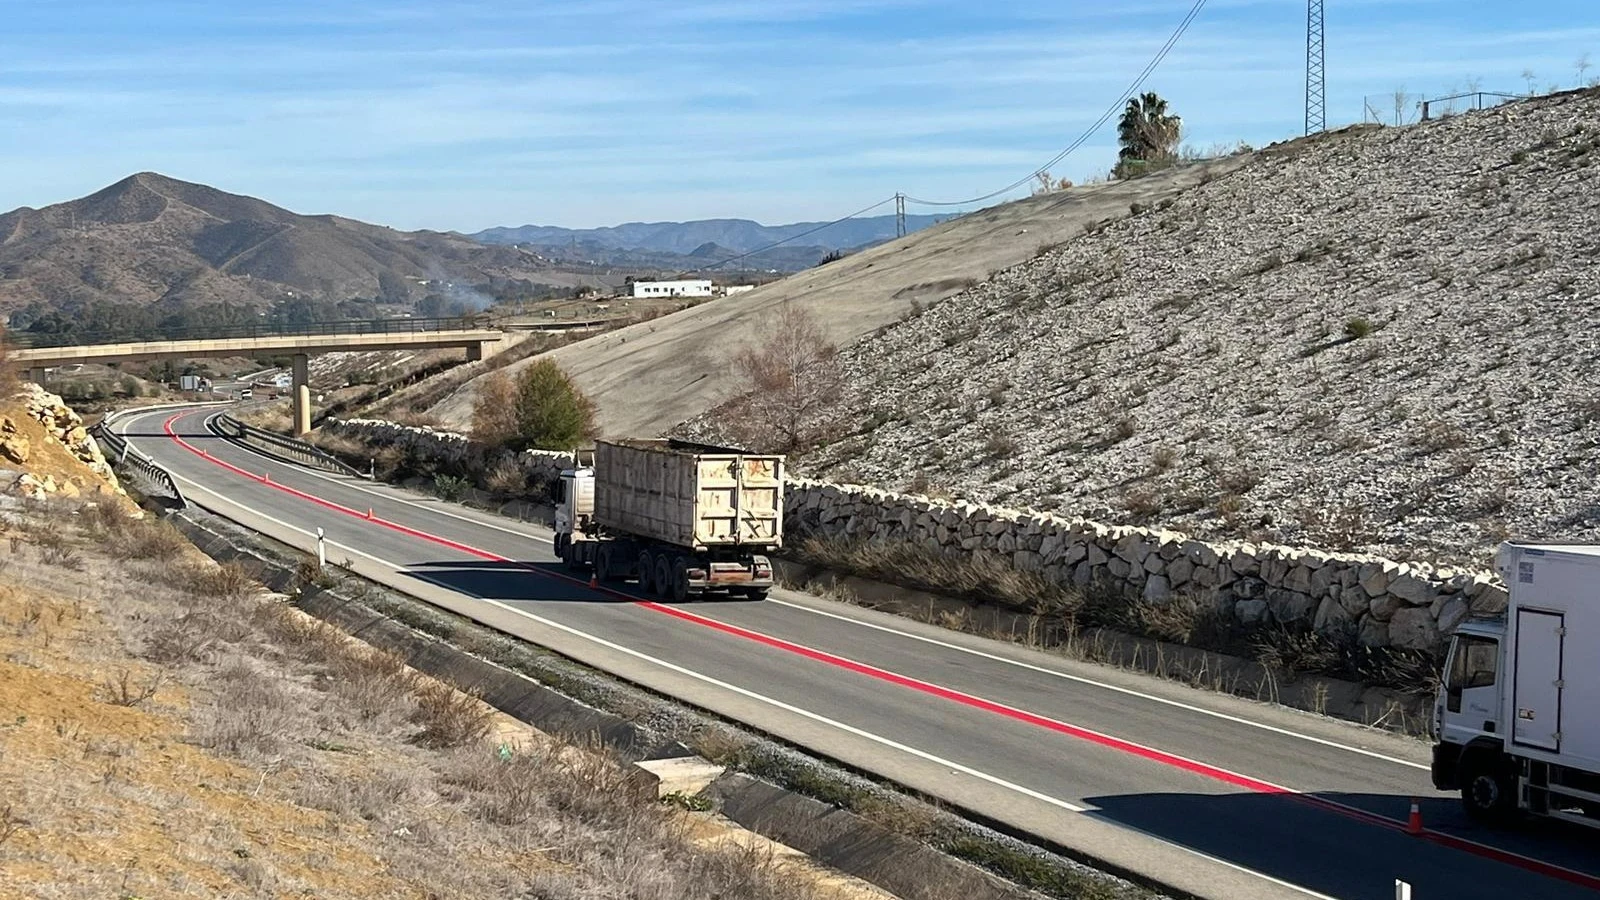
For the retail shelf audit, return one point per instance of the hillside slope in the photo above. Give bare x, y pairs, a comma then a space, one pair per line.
153, 239
649, 377
1381, 340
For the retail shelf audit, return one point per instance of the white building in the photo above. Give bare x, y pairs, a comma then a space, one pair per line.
732, 289
672, 288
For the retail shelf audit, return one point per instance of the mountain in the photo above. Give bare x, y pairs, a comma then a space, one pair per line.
154, 240
736, 235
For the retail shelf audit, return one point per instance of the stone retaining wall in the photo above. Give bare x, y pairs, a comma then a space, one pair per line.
1385, 603
450, 450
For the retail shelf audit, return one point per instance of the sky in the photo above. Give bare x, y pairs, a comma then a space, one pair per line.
465, 114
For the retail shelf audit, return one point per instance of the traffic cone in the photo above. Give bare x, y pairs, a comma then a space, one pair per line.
369, 512
1414, 821
594, 579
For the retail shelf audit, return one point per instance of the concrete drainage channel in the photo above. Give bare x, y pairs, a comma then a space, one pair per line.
911, 849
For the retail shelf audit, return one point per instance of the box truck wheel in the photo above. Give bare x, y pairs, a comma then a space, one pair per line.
756, 593
603, 570
1488, 787
663, 579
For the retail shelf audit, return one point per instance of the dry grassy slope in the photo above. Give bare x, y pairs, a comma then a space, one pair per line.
1190, 365
649, 377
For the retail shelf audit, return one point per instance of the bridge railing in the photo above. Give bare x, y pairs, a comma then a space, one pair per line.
27, 339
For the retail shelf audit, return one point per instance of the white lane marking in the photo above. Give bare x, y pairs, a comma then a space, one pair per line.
440, 509
778, 704
1238, 720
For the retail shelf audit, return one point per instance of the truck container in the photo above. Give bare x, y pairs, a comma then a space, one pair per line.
1518, 713
683, 519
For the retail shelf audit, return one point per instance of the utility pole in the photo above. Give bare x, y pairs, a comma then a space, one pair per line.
900, 215
1316, 93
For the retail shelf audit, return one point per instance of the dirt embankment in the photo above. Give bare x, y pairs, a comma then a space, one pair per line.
167, 730
648, 377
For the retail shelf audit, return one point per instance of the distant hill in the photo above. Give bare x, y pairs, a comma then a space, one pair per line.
154, 240
686, 238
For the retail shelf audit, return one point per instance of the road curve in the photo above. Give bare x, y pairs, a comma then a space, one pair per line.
1207, 794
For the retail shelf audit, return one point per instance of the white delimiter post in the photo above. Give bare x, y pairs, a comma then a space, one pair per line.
302, 396
1402, 891
322, 551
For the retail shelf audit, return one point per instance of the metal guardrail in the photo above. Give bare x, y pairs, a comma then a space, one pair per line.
277, 445
127, 456
27, 339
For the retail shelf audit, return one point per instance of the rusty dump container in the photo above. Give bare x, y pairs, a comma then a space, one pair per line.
689, 496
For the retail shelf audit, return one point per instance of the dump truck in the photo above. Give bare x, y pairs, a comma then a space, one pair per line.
1517, 718
682, 519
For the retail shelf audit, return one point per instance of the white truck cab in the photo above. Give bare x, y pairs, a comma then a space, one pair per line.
574, 507
1517, 718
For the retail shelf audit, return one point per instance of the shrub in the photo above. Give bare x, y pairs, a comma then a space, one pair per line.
551, 413
451, 488
1164, 458
1357, 328
449, 718
494, 414
506, 477
1000, 445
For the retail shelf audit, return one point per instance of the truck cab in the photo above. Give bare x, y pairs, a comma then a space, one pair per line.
574, 508
1466, 718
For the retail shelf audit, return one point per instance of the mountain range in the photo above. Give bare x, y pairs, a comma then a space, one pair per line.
692, 238
154, 240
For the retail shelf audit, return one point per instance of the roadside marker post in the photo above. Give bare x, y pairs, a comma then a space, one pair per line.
322, 550
1402, 891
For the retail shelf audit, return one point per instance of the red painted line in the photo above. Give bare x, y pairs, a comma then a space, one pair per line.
1129, 747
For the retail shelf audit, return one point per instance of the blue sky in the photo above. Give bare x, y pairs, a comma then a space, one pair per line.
462, 115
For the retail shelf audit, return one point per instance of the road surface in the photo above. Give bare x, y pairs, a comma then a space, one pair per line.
1205, 793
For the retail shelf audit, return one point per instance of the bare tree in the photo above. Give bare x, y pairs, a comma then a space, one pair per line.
794, 385
494, 415
1531, 79
1399, 98
1582, 65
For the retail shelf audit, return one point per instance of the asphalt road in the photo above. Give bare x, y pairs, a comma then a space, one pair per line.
1208, 794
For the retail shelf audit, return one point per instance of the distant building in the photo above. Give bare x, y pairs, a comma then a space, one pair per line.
732, 289
648, 289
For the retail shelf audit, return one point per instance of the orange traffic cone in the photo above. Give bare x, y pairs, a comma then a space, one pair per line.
1414, 821
594, 579
369, 512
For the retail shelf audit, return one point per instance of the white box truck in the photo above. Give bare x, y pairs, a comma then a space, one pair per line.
682, 518
1518, 714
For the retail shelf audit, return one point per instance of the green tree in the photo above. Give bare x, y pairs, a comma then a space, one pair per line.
552, 414
1148, 135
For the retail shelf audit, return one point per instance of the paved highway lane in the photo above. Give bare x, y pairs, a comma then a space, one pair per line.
1211, 794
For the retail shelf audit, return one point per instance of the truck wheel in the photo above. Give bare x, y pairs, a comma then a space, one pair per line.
756, 593
1488, 789
678, 583
647, 573
602, 563
663, 579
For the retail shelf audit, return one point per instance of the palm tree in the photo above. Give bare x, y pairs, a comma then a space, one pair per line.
1148, 135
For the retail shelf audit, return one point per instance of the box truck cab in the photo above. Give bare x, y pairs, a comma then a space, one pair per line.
1518, 712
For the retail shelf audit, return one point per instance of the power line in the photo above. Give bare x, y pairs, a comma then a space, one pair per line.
1132, 89
795, 237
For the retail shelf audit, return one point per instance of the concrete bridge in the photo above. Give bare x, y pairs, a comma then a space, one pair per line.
331, 338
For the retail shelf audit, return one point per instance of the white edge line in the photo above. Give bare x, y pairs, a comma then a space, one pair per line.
794, 710
1100, 684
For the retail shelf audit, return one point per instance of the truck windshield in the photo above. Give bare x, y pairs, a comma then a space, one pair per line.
1474, 662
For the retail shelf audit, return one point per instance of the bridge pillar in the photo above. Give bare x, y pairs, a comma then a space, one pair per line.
302, 396
36, 375
475, 352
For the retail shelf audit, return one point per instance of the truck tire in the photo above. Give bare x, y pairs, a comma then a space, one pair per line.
755, 593
603, 569
663, 577
678, 580
647, 573
1488, 788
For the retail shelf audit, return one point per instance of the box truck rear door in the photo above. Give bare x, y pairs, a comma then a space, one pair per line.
1536, 685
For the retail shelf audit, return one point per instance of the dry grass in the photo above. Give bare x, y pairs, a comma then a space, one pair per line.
173, 732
